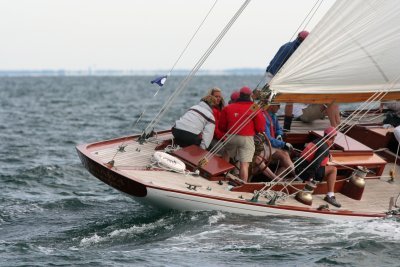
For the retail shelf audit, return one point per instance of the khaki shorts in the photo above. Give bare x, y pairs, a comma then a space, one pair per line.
312, 112
241, 147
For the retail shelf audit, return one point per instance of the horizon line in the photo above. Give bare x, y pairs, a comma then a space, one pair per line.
124, 72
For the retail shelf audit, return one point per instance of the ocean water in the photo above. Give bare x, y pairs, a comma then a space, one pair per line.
54, 213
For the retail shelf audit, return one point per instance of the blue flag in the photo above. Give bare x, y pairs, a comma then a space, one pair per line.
160, 80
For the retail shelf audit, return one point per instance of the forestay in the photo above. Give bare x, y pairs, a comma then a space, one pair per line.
353, 50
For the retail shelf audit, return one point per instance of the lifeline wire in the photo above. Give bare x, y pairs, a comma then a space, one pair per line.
181, 54
187, 45
188, 78
375, 97
172, 68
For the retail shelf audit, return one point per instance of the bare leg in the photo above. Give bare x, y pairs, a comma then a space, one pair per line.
244, 171
333, 114
266, 171
289, 110
287, 123
330, 176
285, 162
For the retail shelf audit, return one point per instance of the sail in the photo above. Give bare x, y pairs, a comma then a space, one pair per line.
353, 52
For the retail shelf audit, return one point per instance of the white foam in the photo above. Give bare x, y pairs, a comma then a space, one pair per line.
213, 219
256, 233
45, 250
136, 229
91, 240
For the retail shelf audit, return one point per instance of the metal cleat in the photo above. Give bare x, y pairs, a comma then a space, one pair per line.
192, 186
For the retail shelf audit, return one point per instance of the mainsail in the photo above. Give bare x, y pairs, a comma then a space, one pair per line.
352, 53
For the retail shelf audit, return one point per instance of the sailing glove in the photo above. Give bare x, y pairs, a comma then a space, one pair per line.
288, 147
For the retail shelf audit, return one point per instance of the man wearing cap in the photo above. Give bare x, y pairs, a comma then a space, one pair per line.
280, 58
313, 166
234, 96
241, 121
280, 148
284, 53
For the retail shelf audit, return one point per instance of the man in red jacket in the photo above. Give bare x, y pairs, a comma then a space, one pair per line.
241, 122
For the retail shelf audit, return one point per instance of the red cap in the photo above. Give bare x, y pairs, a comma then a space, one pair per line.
246, 91
302, 35
331, 131
235, 95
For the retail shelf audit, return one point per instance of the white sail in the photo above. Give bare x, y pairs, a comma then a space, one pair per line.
355, 48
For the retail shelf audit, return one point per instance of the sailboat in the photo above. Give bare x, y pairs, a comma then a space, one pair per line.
350, 56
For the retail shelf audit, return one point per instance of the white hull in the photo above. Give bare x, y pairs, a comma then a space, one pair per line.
170, 190
185, 202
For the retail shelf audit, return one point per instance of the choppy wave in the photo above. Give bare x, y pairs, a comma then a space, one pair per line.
53, 212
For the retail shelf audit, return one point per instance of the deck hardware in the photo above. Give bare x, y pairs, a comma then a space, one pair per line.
393, 212
192, 186
241, 197
138, 149
273, 200
255, 196
110, 164
323, 207
121, 148
304, 197
220, 182
208, 188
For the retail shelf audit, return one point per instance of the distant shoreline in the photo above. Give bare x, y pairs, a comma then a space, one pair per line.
90, 72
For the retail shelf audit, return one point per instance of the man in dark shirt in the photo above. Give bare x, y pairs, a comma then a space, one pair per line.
280, 58
314, 166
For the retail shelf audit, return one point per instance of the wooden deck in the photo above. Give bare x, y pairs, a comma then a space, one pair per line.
134, 163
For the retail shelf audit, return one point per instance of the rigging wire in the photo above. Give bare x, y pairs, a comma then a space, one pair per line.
375, 97
138, 123
364, 107
298, 162
180, 56
309, 17
188, 43
197, 66
226, 138
191, 39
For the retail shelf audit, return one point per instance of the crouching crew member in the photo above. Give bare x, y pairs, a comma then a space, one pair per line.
313, 167
197, 125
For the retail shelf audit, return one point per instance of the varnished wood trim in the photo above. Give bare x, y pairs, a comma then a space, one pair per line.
329, 98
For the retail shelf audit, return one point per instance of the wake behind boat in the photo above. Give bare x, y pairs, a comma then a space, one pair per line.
365, 38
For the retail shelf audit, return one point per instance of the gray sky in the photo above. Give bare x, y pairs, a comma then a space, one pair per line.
144, 34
